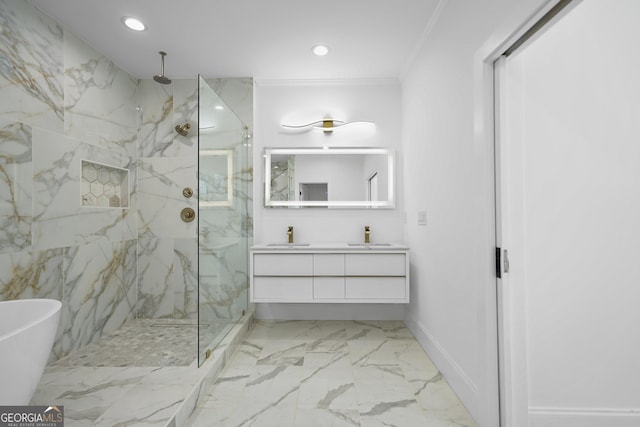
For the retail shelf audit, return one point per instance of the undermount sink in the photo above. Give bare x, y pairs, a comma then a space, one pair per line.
369, 244
287, 244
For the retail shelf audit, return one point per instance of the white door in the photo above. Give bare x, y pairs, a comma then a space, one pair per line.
568, 173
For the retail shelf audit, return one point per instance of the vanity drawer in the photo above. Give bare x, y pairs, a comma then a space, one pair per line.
282, 288
328, 287
375, 265
375, 288
283, 264
328, 264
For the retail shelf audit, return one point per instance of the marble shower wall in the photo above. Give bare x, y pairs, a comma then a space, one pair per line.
62, 102
168, 247
167, 163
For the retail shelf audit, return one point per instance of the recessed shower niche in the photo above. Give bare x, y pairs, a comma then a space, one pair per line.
104, 186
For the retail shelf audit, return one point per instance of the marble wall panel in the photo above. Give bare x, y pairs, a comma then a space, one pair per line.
31, 79
62, 102
185, 278
237, 93
160, 199
100, 99
124, 304
59, 220
130, 216
34, 275
155, 128
15, 186
155, 278
185, 110
130, 275
31, 275
95, 300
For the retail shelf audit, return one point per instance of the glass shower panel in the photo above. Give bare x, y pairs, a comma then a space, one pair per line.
222, 216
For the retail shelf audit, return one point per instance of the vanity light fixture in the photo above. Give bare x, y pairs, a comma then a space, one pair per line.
326, 125
133, 23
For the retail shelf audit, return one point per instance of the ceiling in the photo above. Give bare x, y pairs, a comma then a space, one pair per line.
264, 39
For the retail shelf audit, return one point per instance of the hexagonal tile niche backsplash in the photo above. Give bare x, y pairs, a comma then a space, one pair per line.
104, 186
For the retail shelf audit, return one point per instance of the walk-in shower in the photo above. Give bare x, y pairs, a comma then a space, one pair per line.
190, 206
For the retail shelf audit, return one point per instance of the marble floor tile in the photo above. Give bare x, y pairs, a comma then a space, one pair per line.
282, 352
333, 373
272, 384
286, 329
327, 382
401, 413
326, 417
146, 395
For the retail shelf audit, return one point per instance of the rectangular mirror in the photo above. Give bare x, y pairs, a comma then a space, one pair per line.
329, 177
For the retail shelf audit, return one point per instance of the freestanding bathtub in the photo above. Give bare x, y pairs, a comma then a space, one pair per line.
27, 331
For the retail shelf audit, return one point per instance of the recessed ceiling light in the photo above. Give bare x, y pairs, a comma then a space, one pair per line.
219, 107
320, 50
133, 23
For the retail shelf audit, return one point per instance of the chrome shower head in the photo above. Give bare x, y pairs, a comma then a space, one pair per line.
183, 129
161, 78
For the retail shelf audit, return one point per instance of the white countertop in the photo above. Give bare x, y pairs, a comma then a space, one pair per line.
351, 246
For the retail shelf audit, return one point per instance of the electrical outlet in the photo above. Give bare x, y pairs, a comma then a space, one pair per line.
422, 217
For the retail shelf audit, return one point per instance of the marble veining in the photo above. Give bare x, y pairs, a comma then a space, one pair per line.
155, 127
237, 93
59, 219
165, 394
155, 278
97, 301
185, 96
160, 185
100, 99
15, 186
31, 83
31, 275
185, 274
295, 373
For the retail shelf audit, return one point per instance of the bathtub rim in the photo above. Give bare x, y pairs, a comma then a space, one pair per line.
53, 307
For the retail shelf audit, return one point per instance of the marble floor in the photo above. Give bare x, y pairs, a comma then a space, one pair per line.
329, 373
96, 390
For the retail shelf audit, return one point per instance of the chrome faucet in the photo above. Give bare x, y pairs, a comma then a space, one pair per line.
367, 234
290, 233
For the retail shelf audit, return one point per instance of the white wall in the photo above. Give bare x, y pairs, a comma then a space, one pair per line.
580, 169
448, 173
299, 102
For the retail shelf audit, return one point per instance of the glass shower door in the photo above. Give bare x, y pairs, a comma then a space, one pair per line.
222, 213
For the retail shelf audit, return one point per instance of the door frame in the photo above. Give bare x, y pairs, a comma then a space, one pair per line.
508, 371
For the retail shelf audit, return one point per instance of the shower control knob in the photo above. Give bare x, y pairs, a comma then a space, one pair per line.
187, 215
187, 192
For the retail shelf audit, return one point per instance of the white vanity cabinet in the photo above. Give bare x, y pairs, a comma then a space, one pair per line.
329, 274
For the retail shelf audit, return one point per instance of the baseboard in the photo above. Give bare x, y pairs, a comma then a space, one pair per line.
455, 376
583, 417
278, 311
